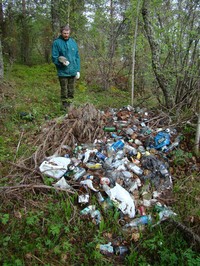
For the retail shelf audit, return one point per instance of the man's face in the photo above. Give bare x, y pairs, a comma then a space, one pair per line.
65, 34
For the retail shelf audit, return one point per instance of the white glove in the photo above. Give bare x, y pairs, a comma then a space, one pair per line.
66, 63
78, 75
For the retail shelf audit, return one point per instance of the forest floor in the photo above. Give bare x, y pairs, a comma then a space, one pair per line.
41, 224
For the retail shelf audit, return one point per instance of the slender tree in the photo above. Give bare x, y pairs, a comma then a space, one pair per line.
1, 33
134, 51
1, 63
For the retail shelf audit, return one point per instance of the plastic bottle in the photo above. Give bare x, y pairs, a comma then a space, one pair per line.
163, 170
106, 249
134, 168
145, 219
100, 198
118, 145
100, 156
173, 144
110, 129
119, 155
121, 250
130, 149
96, 215
81, 172
115, 136
88, 210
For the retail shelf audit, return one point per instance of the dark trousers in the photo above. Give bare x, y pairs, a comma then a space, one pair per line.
67, 89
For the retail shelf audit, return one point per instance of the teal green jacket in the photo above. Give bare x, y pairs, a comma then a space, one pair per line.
69, 49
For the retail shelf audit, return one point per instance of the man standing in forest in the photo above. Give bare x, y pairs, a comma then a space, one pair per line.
66, 58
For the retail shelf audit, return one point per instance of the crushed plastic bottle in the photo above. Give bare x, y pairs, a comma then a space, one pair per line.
88, 210
130, 149
134, 168
80, 173
119, 155
96, 216
115, 136
174, 144
100, 156
106, 249
145, 219
100, 198
163, 170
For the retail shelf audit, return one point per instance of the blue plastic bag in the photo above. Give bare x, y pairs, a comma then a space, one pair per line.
161, 140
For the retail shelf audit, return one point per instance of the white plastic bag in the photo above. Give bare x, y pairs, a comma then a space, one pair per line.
124, 200
56, 167
62, 183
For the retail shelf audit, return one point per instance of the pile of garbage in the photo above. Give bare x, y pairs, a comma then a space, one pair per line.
126, 169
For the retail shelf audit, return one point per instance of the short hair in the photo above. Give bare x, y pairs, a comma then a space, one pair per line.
66, 27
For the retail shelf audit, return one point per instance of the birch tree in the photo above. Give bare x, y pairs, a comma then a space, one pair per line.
172, 29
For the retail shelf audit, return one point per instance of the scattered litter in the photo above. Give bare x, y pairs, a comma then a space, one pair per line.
125, 167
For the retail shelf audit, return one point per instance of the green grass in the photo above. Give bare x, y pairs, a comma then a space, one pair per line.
45, 227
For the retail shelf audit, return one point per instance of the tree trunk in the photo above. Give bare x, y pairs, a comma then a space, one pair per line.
134, 51
25, 36
155, 51
1, 34
2, 25
1, 64
197, 138
55, 22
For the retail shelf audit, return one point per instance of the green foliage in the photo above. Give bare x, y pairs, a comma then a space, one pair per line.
186, 191
162, 248
181, 157
5, 218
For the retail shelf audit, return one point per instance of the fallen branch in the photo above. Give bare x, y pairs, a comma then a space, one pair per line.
28, 169
39, 186
186, 230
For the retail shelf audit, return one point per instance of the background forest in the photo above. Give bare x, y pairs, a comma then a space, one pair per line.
138, 52
167, 43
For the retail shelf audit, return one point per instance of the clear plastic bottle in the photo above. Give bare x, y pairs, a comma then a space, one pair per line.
119, 155
145, 219
100, 198
80, 173
134, 168
163, 170
174, 144
130, 149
